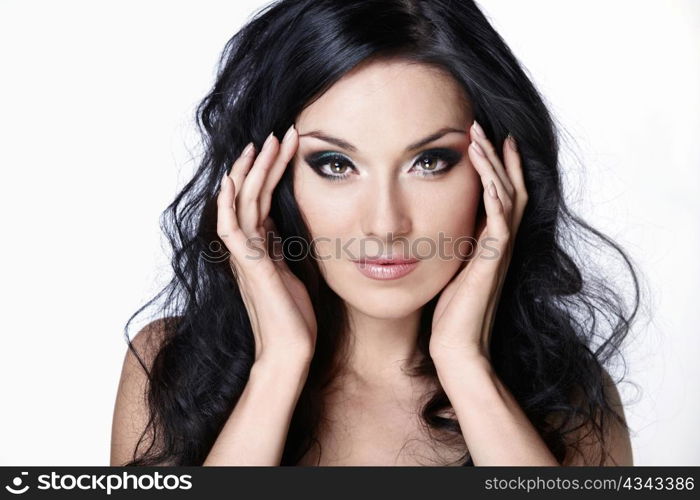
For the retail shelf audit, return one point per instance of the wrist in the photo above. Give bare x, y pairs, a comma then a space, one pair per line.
460, 366
283, 359
460, 360
281, 369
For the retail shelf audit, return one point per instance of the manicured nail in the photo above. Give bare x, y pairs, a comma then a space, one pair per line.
478, 149
223, 182
248, 149
492, 190
268, 140
289, 132
513, 143
477, 128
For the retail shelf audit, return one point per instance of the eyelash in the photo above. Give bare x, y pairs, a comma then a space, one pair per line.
449, 156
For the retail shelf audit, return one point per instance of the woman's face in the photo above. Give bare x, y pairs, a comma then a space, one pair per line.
382, 198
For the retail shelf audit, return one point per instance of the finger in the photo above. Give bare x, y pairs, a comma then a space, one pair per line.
227, 226
484, 270
242, 165
492, 243
496, 224
515, 172
247, 202
236, 241
289, 145
477, 134
487, 172
513, 163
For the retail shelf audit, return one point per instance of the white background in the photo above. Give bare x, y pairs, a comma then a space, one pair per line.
96, 131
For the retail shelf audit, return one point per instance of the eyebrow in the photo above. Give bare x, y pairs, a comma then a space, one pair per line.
346, 145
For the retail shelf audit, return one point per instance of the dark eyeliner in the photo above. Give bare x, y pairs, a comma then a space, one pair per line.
450, 156
318, 160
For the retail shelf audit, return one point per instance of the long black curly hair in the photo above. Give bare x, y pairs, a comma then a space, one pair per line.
559, 321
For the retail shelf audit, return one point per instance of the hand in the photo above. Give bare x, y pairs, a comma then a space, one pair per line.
464, 313
278, 304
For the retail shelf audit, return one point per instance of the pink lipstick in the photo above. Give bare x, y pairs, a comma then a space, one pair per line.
385, 268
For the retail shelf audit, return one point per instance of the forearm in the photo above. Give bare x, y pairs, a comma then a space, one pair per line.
495, 428
256, 430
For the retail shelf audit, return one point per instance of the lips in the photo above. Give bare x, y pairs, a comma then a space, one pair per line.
386, 269
385, 261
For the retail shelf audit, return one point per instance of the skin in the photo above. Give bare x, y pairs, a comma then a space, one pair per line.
380, 108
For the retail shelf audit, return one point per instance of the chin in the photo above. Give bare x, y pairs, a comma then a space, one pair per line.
386, 301
383, 310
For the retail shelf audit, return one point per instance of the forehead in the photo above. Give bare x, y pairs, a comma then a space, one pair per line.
382, 98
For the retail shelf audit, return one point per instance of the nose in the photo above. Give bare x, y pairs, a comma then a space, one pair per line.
386, 212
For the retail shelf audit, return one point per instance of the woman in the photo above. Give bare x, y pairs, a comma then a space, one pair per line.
281, 342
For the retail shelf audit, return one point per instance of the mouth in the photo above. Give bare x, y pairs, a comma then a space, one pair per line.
386, 269
385, 261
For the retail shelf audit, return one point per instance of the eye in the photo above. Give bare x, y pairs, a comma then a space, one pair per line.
429, 163
331, 166
336, 167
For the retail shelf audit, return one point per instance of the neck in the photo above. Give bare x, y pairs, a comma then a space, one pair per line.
381, 349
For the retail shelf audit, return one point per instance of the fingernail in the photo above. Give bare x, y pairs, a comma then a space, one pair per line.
248, 149
289, 132
477, 128
268, 140
492, 190
513, 143
223, 181
478, 149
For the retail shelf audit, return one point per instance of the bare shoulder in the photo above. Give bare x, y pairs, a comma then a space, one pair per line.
131, 415
617, 447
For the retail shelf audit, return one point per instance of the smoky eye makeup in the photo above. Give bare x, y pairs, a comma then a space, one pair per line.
336, 167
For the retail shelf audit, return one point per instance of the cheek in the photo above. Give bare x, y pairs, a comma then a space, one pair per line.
448, 217
329, 219
324, 211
